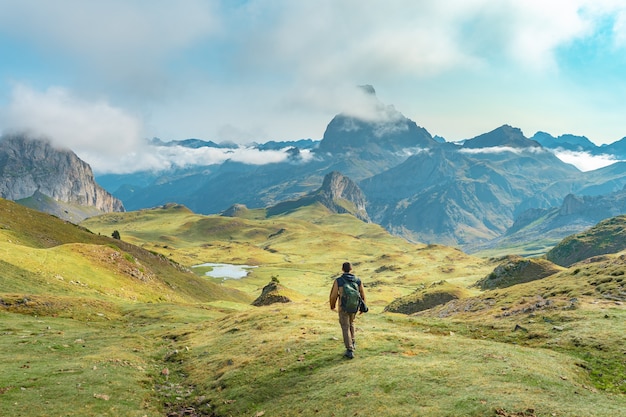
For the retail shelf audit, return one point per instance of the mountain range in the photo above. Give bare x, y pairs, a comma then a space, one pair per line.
581, 144
476, 194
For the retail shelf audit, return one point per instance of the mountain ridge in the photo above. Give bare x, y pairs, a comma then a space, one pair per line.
504, 135
467, 180
417, 187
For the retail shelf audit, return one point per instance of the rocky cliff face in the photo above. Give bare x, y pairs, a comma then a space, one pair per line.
30, 165
338, 193
337, 189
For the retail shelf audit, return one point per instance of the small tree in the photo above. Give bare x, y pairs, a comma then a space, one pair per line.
116, 235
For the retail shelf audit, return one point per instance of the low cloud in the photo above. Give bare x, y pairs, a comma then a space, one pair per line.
109, 139
503, 149
584, 160
415, 151
160, 158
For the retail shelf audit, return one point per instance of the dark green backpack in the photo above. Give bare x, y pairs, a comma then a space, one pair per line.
350, 296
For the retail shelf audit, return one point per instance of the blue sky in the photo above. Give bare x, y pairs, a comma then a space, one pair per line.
101, 77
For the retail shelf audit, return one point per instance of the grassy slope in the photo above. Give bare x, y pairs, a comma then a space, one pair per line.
124, 349
286, 361
67, 341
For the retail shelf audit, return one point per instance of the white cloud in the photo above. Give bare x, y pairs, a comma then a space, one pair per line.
503, 149
415, 151
86, 127
100, 30
165, 157
356, 39
182, 156
108, 138
542, 27
584, 160
619, 29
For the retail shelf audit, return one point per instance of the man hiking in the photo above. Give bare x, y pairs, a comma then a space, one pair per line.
349, 290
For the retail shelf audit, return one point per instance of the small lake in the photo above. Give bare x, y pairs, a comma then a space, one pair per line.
225, 271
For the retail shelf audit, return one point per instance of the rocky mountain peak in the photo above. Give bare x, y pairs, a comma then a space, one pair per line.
337, 190
338, 193
29, 166
336, 185
373, 127
368, 89
503, 136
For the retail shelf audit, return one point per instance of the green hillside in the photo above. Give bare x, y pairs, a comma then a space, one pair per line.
605, 237
304, 249
94, 326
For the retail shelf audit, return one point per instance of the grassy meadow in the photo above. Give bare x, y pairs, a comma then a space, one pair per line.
94, 326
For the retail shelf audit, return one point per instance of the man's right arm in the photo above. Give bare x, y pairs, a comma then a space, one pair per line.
334, 294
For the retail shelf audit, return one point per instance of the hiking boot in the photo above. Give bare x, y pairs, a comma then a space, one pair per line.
349, 354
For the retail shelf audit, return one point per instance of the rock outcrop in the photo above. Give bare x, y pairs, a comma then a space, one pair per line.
272, 293
29, 166
236, 210
337, 190
338, 193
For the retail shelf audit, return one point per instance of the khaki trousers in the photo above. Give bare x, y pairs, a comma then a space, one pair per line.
346, 320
